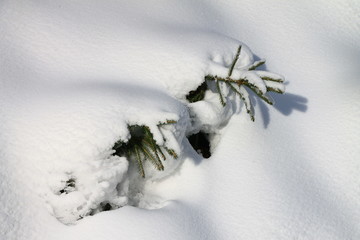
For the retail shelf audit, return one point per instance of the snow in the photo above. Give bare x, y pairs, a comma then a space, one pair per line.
74, 74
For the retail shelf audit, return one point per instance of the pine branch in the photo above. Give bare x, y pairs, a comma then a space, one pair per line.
272, 79
157, 163
256, 64
152, 147
161, 152
270, 89
139, 161
167, 122
259, 82
220, 94
234, 61
171, 152
247, 102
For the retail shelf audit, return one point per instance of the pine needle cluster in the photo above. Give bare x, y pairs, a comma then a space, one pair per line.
198, 94
259, 82
142, 146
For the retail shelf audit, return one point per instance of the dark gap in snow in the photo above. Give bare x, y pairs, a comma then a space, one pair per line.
137, 134
69, 186
198, 94
200, 143
102, 207
106, 207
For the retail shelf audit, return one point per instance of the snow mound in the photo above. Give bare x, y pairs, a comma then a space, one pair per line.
74, 76
83, 85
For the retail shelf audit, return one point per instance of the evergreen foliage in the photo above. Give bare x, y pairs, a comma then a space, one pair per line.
259, 82
198, 94
142, 146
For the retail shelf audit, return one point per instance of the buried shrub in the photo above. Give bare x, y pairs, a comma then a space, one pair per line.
142, 146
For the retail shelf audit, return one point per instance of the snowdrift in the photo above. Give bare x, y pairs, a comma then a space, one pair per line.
75, 75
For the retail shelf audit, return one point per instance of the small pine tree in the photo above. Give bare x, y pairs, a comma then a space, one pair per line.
142, 146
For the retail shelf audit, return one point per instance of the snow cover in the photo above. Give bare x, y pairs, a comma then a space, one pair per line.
73, 74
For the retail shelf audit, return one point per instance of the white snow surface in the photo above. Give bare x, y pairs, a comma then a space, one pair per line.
73, 74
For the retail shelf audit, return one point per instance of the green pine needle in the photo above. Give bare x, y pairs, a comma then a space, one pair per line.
234, 61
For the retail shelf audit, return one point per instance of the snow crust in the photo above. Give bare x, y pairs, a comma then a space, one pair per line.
74, 74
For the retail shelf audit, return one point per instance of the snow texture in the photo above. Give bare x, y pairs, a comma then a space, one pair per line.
75, 74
